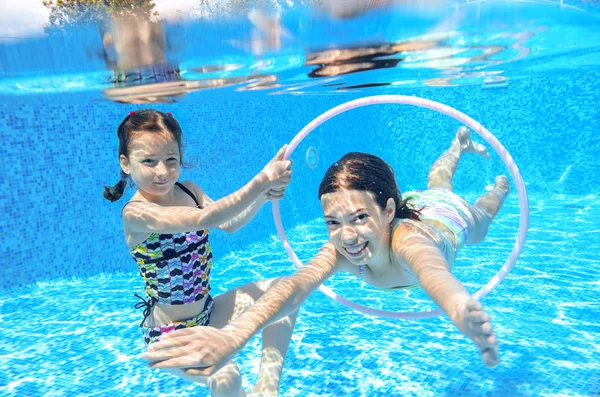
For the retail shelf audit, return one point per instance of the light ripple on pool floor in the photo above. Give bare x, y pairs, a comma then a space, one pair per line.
82, 337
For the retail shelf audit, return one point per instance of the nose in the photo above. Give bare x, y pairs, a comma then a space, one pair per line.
161, 170
349, 235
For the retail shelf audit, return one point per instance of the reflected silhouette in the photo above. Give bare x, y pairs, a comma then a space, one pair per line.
135, 51
389, 240
334, 62
436, 54
167, 92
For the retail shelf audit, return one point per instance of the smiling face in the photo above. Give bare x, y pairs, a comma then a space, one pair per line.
153, 162
358, 227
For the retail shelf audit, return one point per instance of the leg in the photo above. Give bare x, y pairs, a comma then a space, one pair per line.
442, 171
275, 337
485, 209
227, 382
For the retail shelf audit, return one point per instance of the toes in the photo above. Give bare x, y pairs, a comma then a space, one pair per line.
480, 149
501, 181
463, 132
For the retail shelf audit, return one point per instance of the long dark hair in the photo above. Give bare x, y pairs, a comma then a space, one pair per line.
365, 172
147, 120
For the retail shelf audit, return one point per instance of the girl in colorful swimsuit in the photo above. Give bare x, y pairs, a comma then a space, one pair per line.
374, 233
166, 226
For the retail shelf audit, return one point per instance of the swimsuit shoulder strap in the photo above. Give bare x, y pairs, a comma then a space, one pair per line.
186, 190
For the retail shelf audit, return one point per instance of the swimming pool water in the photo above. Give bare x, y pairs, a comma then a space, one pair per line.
67, 284
544, 314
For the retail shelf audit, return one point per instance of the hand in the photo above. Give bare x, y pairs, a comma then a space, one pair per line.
198, 350
277, 173
274, 194
474, 323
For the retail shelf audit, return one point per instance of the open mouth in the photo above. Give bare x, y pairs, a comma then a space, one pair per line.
357, 250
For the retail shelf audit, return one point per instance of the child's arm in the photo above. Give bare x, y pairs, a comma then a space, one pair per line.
432, 271
210, 348
145, 217
239, 221
431, 268
248, 214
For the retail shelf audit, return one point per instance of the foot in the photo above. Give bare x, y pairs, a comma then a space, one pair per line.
264, 389
463, 137
253, 393
501, 183
474, 323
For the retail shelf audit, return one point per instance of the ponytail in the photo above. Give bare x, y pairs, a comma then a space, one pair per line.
114, 193
405, 210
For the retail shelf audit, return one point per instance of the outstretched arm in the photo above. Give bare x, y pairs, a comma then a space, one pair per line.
248, 214
208, 349
241, 220
145, 217
433, 273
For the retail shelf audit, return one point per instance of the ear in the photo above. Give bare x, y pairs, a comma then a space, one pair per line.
390, 210
124, 161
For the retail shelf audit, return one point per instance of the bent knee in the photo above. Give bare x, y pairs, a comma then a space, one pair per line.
478, 233
227, 382
264, 285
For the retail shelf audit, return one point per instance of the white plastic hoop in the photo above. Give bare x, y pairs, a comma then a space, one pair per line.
469, 122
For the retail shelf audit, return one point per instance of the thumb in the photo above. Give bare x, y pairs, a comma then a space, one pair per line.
281, 152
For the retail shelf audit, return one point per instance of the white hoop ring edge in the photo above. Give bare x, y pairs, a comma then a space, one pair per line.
457, 115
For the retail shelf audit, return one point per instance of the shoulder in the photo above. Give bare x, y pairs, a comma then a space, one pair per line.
133, 214
193, 187
198, 192
409, 236
406, 228
134, 206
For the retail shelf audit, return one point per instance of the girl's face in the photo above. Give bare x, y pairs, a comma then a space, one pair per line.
153, 162
357, 226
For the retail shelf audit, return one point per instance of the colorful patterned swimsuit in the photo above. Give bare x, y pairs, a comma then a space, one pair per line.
176, 271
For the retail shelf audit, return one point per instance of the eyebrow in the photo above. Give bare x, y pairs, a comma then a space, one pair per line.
146, 154
354, 213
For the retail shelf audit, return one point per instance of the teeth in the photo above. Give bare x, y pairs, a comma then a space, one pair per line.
356, 250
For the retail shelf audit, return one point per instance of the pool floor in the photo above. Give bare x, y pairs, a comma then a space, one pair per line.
82, 336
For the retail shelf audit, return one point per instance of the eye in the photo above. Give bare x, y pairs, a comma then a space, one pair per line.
361, 218
331, 223
148, 161
172, 159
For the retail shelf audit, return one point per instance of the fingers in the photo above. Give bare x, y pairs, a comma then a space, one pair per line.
490, 357
473, 304
275, 194
478, 317
171, 340
199, 371
166, 353
179, 362
486, 341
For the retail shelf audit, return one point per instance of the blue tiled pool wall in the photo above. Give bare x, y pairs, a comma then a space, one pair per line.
60, 152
